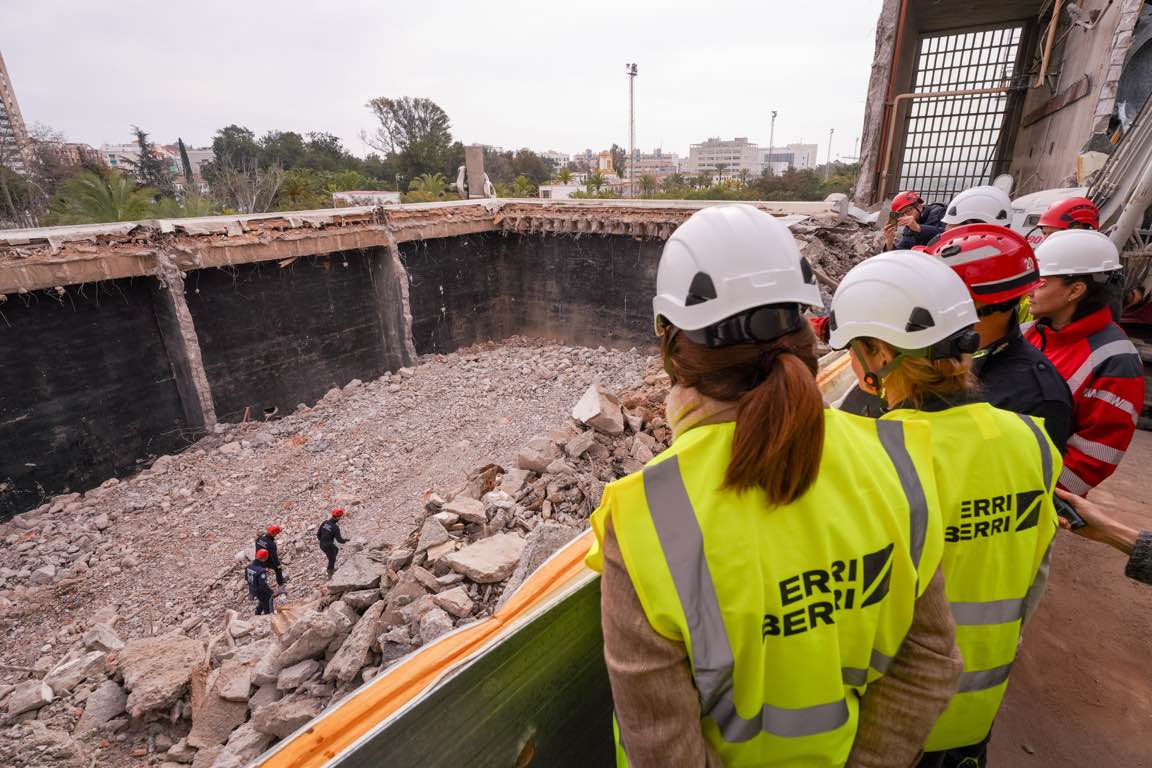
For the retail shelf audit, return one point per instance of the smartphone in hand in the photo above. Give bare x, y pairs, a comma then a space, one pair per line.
1069, 513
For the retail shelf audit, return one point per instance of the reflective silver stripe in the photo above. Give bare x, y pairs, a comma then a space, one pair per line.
1111, 349
1115, 401
682, 543
805, 721
1098, 451
1045, 454
989, 612
979, 254
880, 662
982, 679
854, 676
892, 438
1072, 482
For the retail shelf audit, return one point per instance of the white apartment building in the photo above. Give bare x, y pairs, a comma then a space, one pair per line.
557, 159
658, 164
780, 159
725, 159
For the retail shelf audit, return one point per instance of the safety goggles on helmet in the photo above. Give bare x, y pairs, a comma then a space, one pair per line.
758, 324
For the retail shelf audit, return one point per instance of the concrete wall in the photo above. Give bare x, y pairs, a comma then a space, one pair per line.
272, 337
87, 388
1046, 150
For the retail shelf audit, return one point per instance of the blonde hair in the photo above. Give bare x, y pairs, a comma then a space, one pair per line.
916, 378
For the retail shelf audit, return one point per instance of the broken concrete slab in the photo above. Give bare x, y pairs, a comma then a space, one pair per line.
102, 637
488, 560
600, 410
355, 652
579, 445
243, 747
29, 696
514, 480
268, 667
537, 455
432, 534
313, 641
265, 694
433, 624
70, 674
544, 540
281, 718
360, 572
468, 510
106, 702
361, 598
296, 675
455, 601
157, 670
215, 719
180, 752
234, 682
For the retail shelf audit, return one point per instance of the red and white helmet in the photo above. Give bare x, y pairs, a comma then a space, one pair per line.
996, 263
1074, 212
905, 199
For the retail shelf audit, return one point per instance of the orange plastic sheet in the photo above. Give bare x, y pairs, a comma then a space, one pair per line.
333, 732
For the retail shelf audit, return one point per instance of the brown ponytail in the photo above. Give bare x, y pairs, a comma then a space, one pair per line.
780, 422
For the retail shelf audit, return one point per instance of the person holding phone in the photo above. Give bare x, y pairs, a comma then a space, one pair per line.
1092, 521
911, 223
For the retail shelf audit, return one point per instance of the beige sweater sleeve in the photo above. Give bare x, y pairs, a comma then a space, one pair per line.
898, 710
657, 708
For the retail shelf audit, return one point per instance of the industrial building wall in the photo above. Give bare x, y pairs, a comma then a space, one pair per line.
87, 389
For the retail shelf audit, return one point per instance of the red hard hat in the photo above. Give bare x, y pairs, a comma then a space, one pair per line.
1075, 210
337, 513
274, 529
996, 263
261, 554
905, 199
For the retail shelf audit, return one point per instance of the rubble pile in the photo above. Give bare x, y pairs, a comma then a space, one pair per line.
212, 689
834, 245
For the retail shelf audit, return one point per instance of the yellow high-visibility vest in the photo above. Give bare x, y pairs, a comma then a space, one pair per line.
788, 612
995, 471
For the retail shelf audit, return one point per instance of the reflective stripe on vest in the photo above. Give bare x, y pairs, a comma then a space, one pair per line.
682, 543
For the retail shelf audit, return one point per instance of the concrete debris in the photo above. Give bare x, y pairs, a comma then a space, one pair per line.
34, 744
600, 410
106, 702
157, 671
281, 718
488, 560
29, 696
472, 541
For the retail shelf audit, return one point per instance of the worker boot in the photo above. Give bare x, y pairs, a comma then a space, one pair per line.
330, 572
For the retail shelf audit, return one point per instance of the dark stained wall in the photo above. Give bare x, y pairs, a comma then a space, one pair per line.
86, 389
272, 337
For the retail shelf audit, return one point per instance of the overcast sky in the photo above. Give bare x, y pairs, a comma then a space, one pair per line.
544, 75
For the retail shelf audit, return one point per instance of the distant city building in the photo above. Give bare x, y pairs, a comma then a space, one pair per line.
364, 197
604, 164
781, 159
557, 159
724, 159
70, 153
13, 133
125, 157
558, 191
659, 164
588, 157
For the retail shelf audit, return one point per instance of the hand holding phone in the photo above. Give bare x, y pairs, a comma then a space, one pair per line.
1069, 513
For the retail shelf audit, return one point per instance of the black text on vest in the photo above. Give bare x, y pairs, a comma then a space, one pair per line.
812, 598
982, 518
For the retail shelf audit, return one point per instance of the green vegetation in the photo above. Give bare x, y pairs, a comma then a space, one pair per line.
94, 197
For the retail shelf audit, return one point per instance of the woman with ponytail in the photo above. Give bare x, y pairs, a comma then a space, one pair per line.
776, 570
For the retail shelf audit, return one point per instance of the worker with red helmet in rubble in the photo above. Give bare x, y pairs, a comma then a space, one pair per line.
267, 542
998, 266
775, 571
908, 320
329, 535
911, 222
256, 576
1076, 305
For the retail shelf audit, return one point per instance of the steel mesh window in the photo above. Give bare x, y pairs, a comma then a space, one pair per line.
951, 142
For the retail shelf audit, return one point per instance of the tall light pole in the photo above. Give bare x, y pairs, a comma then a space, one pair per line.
828, 166
771, 143
631, 70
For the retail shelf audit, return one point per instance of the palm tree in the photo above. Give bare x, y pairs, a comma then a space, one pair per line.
564, 176
720, 168
595, 182
675, 181
94, 198
745, 174
704, 178
432, 184
648, 185
522, 186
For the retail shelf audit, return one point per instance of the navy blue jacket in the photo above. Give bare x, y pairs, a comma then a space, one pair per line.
329, 531
256, 575
930, 228
268, 542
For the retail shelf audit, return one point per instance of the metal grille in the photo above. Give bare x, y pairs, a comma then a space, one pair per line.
952, 142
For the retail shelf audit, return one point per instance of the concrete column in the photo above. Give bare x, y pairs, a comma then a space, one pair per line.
393, 306
874, 109
182, 344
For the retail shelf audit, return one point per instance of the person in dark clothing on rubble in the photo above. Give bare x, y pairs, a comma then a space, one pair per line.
912, 223
267, 542
329, 535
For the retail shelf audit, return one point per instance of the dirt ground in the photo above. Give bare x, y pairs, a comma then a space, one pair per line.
1081, 689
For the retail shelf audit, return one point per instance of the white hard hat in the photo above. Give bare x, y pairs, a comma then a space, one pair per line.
987, 204
1077, 252
726, 260
910, 299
